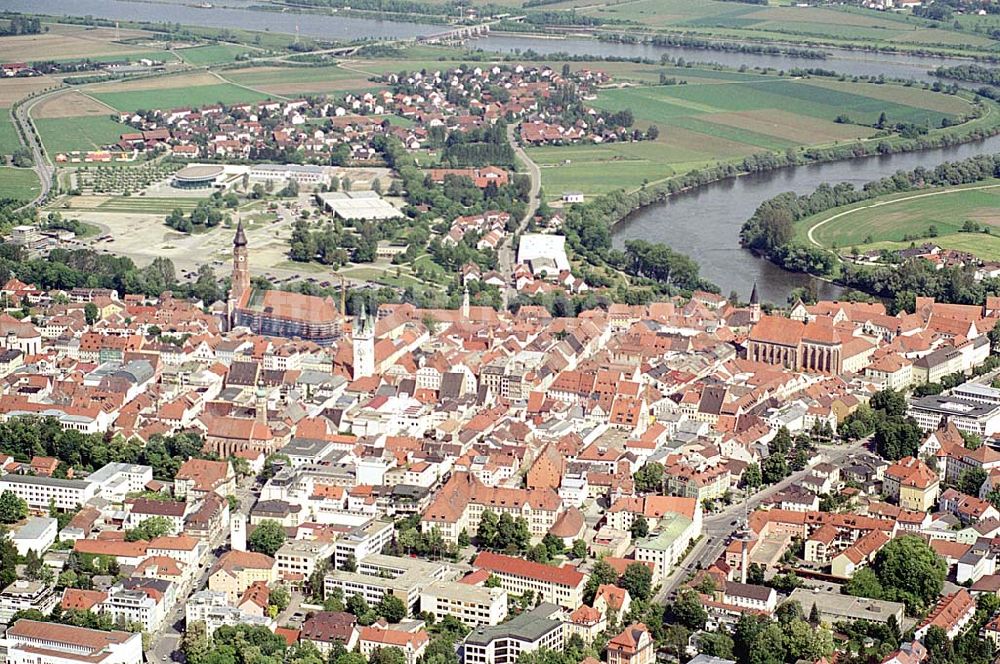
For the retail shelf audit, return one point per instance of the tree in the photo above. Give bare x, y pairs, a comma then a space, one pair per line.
649, 477
688, 610
463, 538
638, 581
601, 574
755, 574
12, 508
774, 469
195, 643
280, 597
751, 477
716, 644
805, 642
486, 534
267, 538
357, 605
910, 571
640, 527
554, 545
897, 437
579, 549
970, 480
391, 608
90, 313
151, 528
387, 656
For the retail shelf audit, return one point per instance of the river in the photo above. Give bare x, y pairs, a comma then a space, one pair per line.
703, 223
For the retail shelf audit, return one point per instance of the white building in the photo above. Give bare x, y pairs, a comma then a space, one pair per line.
363, 541
975, 417
37, 534
32, 642
473, 605
116, 480
544, 253
23, 595
302, 556
39, 492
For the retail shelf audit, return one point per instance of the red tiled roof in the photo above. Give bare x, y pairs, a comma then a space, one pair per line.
495, 562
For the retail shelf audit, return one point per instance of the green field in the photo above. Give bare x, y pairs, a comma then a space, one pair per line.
8, 133
82, 133
144, 205
20, 183
724, 115
212, 55
885, 222
199, 95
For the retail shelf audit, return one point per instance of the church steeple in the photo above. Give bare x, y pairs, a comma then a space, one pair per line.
240, 282
754, 304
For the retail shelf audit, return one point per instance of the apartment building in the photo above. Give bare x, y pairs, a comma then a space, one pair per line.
302, 556
23, 595
473, 605
362, 541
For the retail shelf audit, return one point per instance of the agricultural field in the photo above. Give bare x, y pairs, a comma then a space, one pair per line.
70, 105
19, 183
294, 81
189, 89
213, 54
960, 216
71, 42
68, 134
723, 115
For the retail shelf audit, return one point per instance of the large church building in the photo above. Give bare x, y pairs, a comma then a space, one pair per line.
274, 313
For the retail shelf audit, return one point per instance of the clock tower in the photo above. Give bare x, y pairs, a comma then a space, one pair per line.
240, 282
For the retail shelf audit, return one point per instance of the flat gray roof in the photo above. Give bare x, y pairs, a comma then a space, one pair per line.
45, 481
529, 626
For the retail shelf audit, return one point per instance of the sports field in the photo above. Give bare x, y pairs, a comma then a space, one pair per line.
885, 222
19, 183
719, 116
78, 133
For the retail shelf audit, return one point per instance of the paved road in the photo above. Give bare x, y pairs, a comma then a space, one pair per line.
166, 642
505, 257
43, 167
717, 528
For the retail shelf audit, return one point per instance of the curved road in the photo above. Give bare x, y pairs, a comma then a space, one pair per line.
43, 167
505, 257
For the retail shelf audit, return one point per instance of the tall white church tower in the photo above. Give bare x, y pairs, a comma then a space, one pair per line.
363, 336
238, 532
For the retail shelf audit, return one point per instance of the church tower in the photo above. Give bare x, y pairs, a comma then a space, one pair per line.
240, 282
754, 305
363, 336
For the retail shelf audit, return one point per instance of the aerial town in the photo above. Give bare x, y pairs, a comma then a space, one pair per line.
397, 332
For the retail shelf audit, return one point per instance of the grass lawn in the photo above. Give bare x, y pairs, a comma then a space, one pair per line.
213, 54
300, 80
19, 183
886, 221
81, 133
723, 116
985, 247
144, 205
174, 97
387, 277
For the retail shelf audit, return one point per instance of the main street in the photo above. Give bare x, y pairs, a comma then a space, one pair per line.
21, 116
505, 256
166, 643
717, 528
